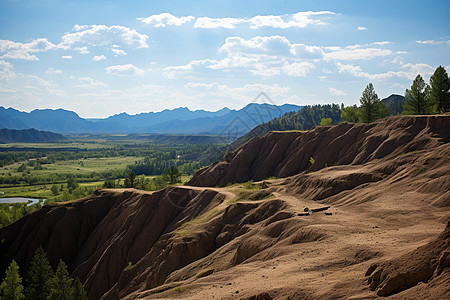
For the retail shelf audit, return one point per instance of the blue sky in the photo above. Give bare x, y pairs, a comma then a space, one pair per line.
100, 58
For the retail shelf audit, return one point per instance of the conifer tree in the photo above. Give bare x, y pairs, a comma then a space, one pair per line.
371, 107
61, 284
12, 284
38, 276
440, 90
416, 99
78, 290
172, 175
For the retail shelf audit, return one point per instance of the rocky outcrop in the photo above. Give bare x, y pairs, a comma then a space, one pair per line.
284, 154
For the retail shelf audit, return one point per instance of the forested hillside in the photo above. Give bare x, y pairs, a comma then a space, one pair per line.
304, 119
28, 136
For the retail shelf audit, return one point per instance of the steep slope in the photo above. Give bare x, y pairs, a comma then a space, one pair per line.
312, 235
28, 136
284, 154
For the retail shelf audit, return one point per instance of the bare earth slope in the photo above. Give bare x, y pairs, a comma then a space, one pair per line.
284, 154
370, 224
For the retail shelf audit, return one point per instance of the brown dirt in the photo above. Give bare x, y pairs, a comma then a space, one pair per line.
312, 235
285, 154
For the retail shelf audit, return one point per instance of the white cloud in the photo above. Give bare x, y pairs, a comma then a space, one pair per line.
356, 54
82, 50
300, 20
172, 71
118, 52
433, 42
14, 50
336, 92
275, 55
66, 57
50, 87
53, 71
261, 56
99, 57
77, 27
361, 28
297, 69
408, 71
205, 22
124, 70
100, 35
259, 44
6, 71
88, 82
164, 19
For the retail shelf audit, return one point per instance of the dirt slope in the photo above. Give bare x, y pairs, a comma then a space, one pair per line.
372, 225
284, 154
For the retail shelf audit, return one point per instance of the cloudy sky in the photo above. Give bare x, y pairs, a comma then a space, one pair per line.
100, 58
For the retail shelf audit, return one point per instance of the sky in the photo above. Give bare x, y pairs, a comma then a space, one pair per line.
100, 58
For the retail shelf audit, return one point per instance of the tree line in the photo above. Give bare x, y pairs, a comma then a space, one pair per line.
41, 282
420, 99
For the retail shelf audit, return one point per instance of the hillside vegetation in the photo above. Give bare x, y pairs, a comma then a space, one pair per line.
29, 136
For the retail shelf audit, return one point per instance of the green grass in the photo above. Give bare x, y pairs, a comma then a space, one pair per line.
128, 266
78, 166
178, 289
202, 219
203, 273
250, 185
183, 232
35, 191
250, 195
40, 191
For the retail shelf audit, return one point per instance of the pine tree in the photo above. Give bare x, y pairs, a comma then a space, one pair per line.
129, 179
38, 276
78, 290
440, 90
416, 99
371, 107
172, 176
61, 284
12, 284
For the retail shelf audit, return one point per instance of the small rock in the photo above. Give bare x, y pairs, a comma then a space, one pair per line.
237, 292
320, 209
303, 214
229, 283
306, 209
328, 213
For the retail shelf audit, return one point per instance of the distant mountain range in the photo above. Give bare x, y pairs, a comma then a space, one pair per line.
29, 136
177, 121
